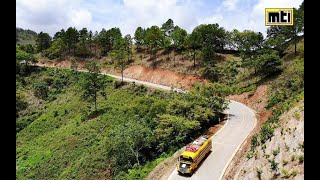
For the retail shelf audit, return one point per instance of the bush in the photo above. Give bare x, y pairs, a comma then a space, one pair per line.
285, 173
301, 158
118, 84
255, 141
41, 89
294, 172
268, 64
266, 132
275, 152
274, 165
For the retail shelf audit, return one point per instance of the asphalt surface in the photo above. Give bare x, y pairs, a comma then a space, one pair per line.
225, 143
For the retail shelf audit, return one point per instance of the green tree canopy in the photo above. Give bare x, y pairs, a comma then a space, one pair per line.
43, 41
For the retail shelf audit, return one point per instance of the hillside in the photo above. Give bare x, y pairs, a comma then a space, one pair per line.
60, 136
276, 101
283, 155
24, 37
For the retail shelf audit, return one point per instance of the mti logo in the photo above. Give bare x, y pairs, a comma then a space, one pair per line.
279, 16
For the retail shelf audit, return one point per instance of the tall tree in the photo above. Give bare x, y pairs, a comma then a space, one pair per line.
92, 83
43, 41
178, 36
193, 43
168, 27
108, 38
72, 37
119, 53
154, 40
95, 41
60, 34
128, 45
139, 37
211, 38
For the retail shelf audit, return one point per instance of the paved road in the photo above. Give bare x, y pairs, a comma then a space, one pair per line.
225, 143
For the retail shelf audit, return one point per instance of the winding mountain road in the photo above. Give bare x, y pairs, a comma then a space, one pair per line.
225, 143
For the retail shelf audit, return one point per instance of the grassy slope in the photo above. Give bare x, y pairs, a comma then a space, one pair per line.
64, 146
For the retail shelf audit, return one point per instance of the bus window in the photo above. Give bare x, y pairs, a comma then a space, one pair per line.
189, 159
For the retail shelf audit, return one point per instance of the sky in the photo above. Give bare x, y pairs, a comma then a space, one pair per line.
52, 15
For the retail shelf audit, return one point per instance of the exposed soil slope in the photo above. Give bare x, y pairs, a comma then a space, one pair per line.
164, 77
139, 72
286, 148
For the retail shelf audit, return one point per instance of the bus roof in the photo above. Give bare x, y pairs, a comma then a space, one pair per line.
197, 144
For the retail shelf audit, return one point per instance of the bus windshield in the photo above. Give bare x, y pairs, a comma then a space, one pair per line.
186, 159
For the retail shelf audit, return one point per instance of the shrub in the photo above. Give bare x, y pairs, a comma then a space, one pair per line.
293, 157
266, 132
294, 172
285, 173
255, 141
275, 152
41, 89
268, 64
284, 162
250, 154
118, 84
301, 158
274, 165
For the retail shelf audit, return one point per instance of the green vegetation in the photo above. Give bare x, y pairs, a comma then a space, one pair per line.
286, 174
132, 128
301, 158
274, 165
275, 152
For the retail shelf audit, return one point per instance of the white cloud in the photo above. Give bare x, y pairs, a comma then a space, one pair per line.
81, 18
52, 15
230, 4
250, 19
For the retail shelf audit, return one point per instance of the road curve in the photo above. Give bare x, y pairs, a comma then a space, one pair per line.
225, 143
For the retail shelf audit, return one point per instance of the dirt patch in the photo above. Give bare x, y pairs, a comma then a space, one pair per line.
162, 76
257, 101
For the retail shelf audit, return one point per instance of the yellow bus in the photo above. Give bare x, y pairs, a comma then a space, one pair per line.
193, 154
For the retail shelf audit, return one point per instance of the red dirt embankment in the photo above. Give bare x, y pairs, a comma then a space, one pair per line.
139, 72
161, 76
